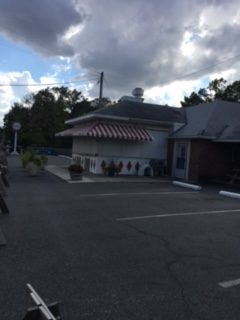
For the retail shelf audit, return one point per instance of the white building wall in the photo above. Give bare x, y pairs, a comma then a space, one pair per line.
84, 145
92, 152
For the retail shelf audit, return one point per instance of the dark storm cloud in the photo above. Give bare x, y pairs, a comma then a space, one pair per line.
135, 42
223, 40
39, 24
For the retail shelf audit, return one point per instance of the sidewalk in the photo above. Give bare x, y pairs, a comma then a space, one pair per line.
62, 173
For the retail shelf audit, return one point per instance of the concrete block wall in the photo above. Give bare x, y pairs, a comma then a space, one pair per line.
129, 164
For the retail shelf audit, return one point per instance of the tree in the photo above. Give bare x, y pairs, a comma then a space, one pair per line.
48, 114
216, 89
18, 113
192, 100
43, 114
231, 92
80, 108
104, 102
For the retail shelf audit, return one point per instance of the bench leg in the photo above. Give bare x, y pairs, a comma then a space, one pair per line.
3, 205
5, 180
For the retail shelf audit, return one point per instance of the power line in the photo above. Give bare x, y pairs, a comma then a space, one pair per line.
45, 84
96, 73
205, 68
94, 79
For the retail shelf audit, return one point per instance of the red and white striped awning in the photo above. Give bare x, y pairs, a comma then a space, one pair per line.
109, 130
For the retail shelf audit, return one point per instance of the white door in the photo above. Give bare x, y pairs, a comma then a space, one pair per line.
181, 160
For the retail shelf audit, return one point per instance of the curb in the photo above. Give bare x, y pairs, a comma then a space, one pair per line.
187, 185
229, 194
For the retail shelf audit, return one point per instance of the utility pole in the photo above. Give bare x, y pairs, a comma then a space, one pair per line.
101, 88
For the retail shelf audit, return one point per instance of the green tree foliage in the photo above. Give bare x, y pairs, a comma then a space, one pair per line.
105, 101
44, 113
192, 100
231, 92
48, 114
17, 113
217, 89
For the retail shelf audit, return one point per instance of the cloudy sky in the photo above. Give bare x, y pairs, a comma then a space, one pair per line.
156, 44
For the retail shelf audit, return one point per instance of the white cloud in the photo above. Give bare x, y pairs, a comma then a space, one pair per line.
73, 31
152, 43
48, 79
8, 94
173, 93
230, 75
187, 46
217, 16
136, 42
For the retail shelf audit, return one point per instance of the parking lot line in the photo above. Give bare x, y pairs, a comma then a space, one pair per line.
135, 193
230, 283
178, 214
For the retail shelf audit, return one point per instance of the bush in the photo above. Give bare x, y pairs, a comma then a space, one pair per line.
29, 156
44, 160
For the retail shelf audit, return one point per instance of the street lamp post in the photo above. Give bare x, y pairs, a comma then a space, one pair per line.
16, 127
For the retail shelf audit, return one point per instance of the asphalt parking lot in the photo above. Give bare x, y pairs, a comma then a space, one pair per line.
120, 250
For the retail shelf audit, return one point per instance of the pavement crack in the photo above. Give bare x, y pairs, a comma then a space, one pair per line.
176, 257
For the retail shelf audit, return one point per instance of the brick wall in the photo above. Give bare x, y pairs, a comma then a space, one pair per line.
209, 160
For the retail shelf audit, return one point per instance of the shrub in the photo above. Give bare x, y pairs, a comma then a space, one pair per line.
30, 156
44, 160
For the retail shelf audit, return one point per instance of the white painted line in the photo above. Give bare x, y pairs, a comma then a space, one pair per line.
230, 283
178, 214
135, 194
187, 185
229, 194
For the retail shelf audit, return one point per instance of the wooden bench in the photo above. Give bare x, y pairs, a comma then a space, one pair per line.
3, 185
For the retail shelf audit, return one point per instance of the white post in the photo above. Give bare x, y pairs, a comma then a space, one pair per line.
16, 126
15, 143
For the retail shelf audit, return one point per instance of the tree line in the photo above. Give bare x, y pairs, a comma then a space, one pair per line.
216, 89
44, 113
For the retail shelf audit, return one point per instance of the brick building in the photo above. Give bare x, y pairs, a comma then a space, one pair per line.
194, 143
207, 147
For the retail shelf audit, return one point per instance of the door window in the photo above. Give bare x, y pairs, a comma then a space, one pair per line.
181, 156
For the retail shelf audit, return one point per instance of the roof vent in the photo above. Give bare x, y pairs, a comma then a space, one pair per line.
137, 94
